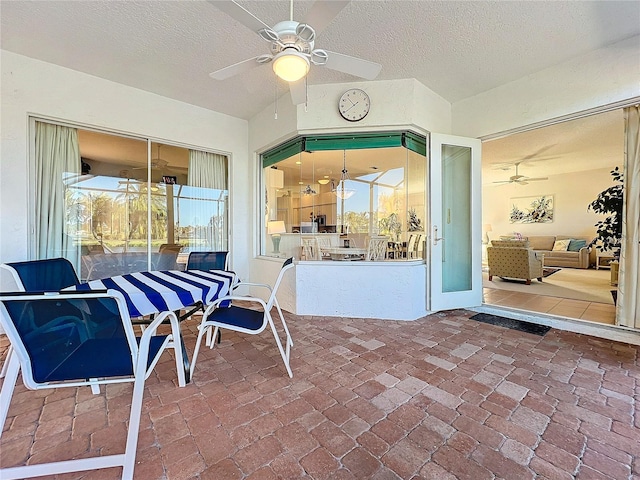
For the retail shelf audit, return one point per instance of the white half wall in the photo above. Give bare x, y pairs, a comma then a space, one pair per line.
383, 290
598, 78
31, 87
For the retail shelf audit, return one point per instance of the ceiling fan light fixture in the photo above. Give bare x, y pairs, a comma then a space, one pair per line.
291, 65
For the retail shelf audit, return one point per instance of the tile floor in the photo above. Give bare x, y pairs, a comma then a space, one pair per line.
565, 307
443, 397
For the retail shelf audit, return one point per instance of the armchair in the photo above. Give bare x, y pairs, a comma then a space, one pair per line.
208, 260
71, 340
514, 259
48, 275
251, 319
377, 248
310, 249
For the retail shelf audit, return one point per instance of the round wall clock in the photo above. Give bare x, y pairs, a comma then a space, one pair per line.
354, 105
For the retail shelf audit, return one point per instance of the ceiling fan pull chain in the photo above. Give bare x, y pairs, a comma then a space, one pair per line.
275, 94
306, 95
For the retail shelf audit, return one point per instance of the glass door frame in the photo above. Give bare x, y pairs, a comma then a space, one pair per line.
438, 298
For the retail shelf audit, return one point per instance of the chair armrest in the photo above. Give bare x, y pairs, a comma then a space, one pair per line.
228, 298
583, 256
249, 284
534, 260
158, 320
236, 286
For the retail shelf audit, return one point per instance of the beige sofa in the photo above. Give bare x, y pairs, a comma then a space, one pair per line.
543, 244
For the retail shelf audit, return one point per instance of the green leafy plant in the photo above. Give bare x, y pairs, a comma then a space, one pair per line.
415, 224
609, 202
391, 225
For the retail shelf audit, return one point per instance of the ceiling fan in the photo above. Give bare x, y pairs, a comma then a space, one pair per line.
521, 179
292, 46
159, 163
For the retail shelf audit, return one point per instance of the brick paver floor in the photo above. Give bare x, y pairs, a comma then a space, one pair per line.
443, 397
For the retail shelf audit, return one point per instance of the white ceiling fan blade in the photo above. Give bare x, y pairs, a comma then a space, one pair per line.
322, 12
352, 65
536, 153
536, 179
239, 67
521, 183
298, 91
240, 14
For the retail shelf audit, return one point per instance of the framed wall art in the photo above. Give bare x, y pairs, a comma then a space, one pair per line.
538, 209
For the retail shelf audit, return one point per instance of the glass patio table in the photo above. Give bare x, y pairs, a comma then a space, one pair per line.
346, 253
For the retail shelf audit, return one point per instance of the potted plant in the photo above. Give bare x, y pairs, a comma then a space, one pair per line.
609, 202
415, 224
392, 226
609, 231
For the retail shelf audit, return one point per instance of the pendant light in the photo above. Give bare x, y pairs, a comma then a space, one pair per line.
341, 191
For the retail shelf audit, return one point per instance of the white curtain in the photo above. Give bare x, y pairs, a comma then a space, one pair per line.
628, 305
209, 170
57, 155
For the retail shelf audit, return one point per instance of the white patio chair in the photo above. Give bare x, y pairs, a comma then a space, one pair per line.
72, 340
247, 320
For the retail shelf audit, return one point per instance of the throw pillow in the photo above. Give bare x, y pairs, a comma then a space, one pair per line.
560, 245
576, 245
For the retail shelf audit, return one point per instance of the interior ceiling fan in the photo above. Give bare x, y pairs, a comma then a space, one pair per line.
158, 162
521, 179
292, 46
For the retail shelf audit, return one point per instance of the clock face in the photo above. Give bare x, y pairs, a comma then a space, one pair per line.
354, 105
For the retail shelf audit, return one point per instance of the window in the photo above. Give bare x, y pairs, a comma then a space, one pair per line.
343, 190
123, 209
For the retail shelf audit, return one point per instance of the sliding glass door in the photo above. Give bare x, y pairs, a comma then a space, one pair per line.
115, 205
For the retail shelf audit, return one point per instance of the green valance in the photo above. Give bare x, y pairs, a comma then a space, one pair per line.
283, 151
313, 143
415, 143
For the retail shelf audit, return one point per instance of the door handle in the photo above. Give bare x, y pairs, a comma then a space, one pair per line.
436, 239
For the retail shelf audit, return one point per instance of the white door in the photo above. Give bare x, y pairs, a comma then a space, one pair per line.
455, 238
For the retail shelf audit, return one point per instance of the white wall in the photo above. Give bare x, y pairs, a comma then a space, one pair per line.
42, 89
362, 289
571, 195
395, 105
598, 78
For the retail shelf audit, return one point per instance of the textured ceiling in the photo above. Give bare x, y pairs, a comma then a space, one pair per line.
457, 49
